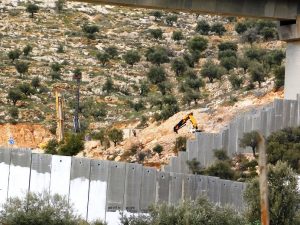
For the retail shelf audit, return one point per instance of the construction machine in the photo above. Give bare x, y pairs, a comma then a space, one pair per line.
182, 123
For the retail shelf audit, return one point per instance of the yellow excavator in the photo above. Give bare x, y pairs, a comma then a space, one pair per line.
182, 123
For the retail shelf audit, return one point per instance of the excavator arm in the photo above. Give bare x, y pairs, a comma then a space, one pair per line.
182, 123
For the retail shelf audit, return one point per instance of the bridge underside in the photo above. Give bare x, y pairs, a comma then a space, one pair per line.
273, 9
285, 11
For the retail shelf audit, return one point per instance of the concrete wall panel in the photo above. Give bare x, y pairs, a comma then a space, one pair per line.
278, 105
208, 144
4, 174
162, 187
133, 187
240, 131
189, 187
293, 114
60, 175
201, 137
175, 164
256, 126
183, 157
236, 194
214, 189
232, 147
270, 121
225, 139
286, 113
264, 121
19, 173
225, 186
98, 189
116, 186
201, 185
79, 185
148, 188
40, 177
193, 150
175, 191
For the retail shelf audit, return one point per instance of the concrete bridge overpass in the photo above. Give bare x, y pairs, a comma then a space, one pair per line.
287, 12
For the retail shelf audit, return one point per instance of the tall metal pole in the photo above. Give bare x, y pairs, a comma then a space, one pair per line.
263, 181
60, 116
77, 76
76, 116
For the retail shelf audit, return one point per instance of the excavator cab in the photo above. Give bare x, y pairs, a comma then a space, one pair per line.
182, 123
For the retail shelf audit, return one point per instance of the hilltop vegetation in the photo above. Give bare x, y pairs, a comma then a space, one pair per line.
137, 66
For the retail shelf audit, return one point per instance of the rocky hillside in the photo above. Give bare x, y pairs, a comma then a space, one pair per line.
115, 93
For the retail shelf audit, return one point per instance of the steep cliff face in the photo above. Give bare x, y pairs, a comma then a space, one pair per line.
24, 135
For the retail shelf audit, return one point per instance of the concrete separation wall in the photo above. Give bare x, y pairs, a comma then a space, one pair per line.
103, 189
273, 117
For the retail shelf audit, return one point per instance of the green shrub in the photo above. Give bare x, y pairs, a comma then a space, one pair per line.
228, 45
243, 63
131, 57
51, 147
269, 33
255, 54
177, 35
115, 135
212, 71
257, 73
103, 57
13, 113
199, 212
284, 145
27, 49
279, 76
179, 66
203, 27
227, 53
90, 30
236, 81
170, 19
157, 14
284, 197
250, 36
22, 67
241, 27
26, 89
100, 135
250, 139
14, 54
221, 169
39, 209
112, 51
158, 148
274, 57
218, 28
164, 87
180, 144
157, 55
229, 62
195, 166
72, 144
32, 8
108, 86
14, 95
59, 5
36, 82
60, 49
221, 154
156, 33
197, 43
156, 75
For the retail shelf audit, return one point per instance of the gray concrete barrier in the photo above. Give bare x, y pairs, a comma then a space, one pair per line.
102, 189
